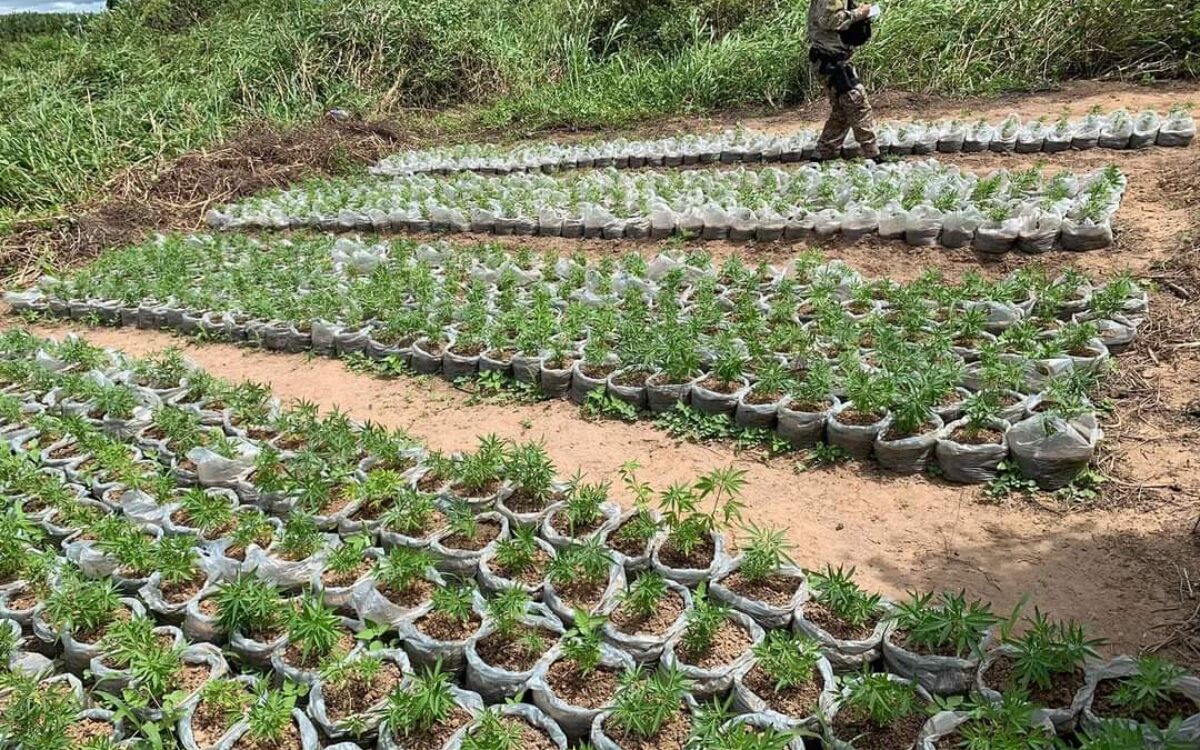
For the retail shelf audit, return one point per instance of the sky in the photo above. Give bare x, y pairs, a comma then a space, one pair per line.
51, 6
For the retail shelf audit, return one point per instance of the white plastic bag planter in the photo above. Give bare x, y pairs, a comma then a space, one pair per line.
645, 646
1086, 234
832, 704
371, 604
1062, 717
971, 462
940, 675
910, 454
600, 740
492, 579
1145, 130
365, 723
713, 402
109, 679
857, 440
185, 727
425, 651
787, 586
461, 561
496, 683
747, 701
526, 714
768, 722
688, 576
564, 606
799, 426
662, 396
1052, 450
172, 611
574, 720
714, 680
309, 739
307, 675
1178, 130
1187, 687
555, 526
844, 653
341, 597
215, 470
1116, 131
288, 575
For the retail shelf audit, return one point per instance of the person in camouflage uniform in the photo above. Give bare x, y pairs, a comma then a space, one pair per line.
847, 97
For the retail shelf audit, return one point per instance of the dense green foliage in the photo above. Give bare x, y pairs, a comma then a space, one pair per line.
153, 78
22, 26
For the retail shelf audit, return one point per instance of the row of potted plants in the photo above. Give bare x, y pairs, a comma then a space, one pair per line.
926, 203
619, 627
966, 374
1114, 130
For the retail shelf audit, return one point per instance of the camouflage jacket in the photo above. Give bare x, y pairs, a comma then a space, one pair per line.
825, 19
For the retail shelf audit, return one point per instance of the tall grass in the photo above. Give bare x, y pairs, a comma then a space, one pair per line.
154, 78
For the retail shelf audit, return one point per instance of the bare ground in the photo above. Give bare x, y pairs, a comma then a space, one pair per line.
1127, 564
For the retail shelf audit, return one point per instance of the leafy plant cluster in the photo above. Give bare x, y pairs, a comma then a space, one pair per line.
314, 634
891, 349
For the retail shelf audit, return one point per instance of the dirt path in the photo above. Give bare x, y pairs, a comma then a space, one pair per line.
1113, 569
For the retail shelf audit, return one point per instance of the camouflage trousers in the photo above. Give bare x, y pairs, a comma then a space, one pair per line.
850, 111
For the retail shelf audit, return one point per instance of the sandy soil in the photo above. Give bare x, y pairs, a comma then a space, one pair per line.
1127, 567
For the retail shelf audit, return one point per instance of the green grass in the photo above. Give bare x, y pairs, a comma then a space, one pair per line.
155, 78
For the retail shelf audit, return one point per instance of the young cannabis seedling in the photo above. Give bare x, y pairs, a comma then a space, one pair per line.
1152, 686
704, 620
788, 659
581, 645
269, 719
836, 591
645, 703
952, 623
250, 606
642, 597
518, 554
765, 554
401, 567
314, 629
425, 702
492, 732
82, 606
1048, 649
878, 698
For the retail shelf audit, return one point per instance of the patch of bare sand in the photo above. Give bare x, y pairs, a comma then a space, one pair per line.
1115, 569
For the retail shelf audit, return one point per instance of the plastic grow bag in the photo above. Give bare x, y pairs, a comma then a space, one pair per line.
528, 714
709, 681
856, 440
766, 614
1051, 450
1061, 718
1179, 129
1187, 732
497, 684
689, 576
845, 655
575, 721
645, 647
967, 463
940, 675
803, 429
909, 455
